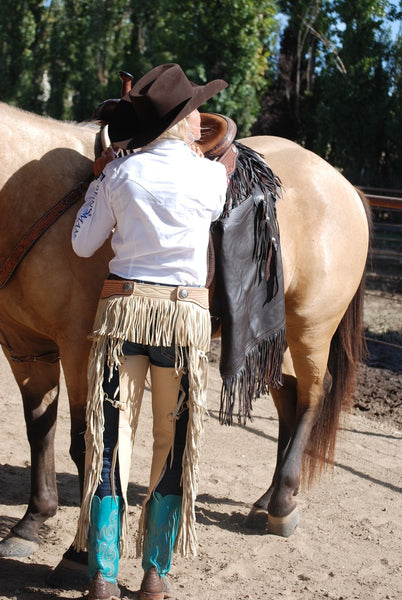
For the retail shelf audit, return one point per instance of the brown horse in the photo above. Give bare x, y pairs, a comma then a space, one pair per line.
47, 307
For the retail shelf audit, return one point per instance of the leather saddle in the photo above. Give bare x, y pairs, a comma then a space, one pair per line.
218, 133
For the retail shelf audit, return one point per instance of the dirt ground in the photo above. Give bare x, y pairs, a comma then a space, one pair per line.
346, 547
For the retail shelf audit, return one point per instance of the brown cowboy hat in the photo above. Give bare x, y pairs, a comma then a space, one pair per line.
159, 100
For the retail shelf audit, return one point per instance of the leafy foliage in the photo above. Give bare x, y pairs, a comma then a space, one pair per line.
336, 91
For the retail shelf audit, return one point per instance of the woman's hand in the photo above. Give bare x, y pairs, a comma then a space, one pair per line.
195, 148
107, 156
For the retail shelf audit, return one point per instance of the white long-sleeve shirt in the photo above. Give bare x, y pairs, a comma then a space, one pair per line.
160, 202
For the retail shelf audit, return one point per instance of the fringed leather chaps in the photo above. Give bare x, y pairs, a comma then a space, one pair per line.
157, 316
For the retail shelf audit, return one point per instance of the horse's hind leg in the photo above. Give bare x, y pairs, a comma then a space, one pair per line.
298, 404
39, 385
310, 364
285, 399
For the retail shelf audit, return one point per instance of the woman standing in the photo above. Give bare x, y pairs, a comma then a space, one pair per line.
158, 204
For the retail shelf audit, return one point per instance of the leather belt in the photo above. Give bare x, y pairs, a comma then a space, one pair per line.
181, 293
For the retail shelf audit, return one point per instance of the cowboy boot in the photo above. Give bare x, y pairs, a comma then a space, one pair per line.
103, 547
163, 523
155, 587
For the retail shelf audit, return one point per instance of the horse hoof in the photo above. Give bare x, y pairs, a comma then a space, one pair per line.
69, 574
283, 526
256, 519
16, 547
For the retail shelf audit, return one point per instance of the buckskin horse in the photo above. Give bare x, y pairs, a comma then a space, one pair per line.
47, 306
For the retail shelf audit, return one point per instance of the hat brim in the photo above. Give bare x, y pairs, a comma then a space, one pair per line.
128, 132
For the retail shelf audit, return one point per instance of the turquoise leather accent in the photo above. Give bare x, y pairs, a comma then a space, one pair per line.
163, 524
104, 537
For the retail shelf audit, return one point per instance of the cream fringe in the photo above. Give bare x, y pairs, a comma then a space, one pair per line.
158, 322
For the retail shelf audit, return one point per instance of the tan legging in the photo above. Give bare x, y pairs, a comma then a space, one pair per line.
165, 387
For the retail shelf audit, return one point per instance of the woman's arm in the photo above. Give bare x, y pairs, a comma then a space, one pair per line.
95, 220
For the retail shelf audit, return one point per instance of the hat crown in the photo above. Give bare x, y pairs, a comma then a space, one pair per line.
169, 89
160, 99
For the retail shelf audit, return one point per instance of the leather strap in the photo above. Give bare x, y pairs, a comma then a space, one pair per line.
33, 234
181, 293
229, 159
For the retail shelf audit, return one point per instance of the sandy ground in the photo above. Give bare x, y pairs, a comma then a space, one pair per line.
348, 543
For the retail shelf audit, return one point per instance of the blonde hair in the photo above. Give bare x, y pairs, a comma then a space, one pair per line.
180, 131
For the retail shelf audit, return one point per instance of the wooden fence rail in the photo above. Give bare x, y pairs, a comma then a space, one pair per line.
386, 207
383, 198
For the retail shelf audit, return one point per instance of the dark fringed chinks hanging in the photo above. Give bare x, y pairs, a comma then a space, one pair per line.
249, 298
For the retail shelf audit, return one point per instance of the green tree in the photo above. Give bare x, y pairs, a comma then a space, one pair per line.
59, 64
354, 104
393, 166
70, 51
335, 91
304, 42
230, 39
23, 34
88, 43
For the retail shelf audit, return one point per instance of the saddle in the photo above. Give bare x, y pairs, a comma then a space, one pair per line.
218, 133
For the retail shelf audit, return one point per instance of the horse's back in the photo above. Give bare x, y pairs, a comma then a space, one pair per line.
26, 136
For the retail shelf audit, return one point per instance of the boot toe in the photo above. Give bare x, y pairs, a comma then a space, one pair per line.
100, 589
155, 587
